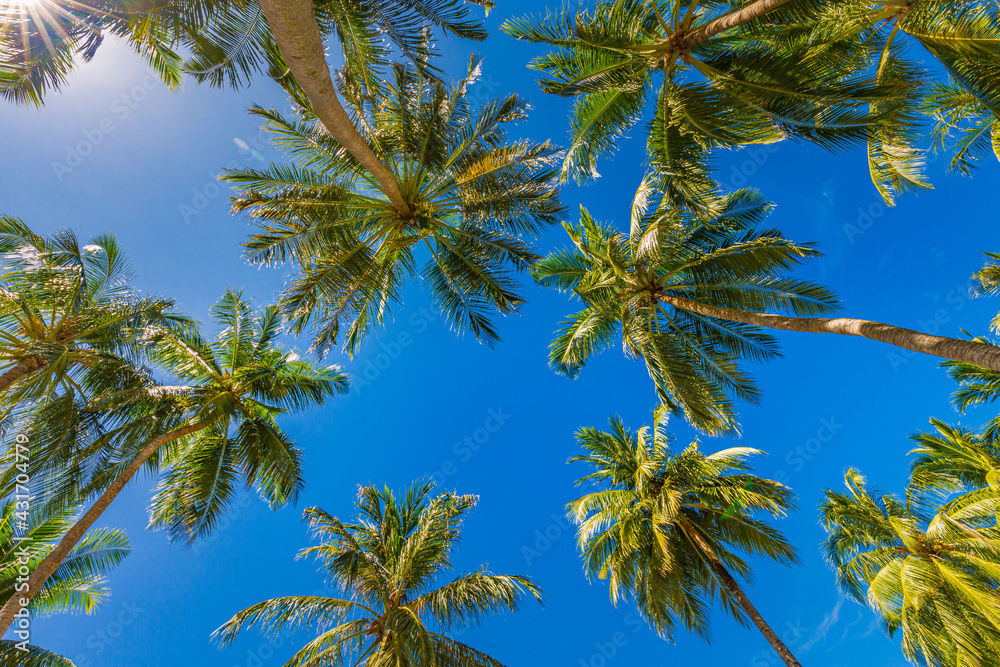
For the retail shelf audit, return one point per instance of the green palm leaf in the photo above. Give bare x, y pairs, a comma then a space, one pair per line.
666, 526
478, 200
623, 283
386, 564
931, 578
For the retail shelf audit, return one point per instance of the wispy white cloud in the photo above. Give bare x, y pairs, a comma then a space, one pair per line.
872, 627
829, 622
847, 630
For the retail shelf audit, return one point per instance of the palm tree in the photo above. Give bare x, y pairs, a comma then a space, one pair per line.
12, 656
965, 38
729, 74
387, 565
693, 360
680, 290
232, 40
68, 313
978, 128
934, 578
666, 529
979, 385
476, 196
219, 428
953, 459
297, 34
833, 73
77, 585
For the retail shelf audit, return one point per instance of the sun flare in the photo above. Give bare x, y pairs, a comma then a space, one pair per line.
20, 9
20, 4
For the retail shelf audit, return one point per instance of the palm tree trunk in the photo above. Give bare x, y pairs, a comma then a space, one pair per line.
54, 559
24, 367
296, 32
733, 586
971, 352
730, 20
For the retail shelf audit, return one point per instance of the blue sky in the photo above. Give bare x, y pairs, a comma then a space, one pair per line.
832, 402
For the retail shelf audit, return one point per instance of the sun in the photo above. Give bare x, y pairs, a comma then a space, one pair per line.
42, 16
20, 4
21, 7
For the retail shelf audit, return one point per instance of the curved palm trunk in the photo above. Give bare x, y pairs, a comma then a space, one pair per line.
730, 20
54, 559
971, 352
296, 32
733, 587
24, 367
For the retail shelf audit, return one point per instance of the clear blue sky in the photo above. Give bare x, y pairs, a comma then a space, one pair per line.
832, 402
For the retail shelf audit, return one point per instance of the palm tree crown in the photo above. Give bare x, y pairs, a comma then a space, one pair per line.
965, 39
217, 429
934, 578
624, 280
667, 528
236, 42
952, 459
79, 584
962, 119
388, 563
728, 75
474, 197
42, 41
69, 317
234, 386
